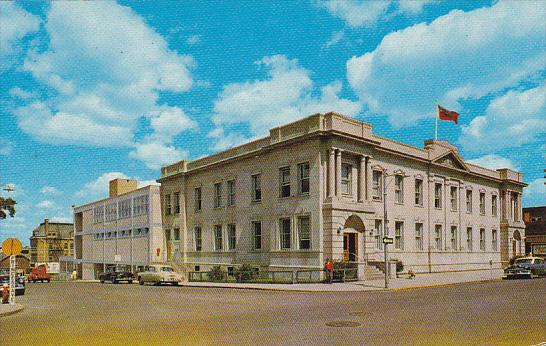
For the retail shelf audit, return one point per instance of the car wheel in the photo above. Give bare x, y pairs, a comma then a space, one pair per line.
130, 281
101, 281
175, 283
115, 281
140, 281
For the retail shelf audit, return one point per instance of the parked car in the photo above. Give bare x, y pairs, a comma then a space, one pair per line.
39, 273
526, 267
19, 287
159, 274
116, 275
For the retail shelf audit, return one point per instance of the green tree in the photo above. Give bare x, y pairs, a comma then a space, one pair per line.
7, 206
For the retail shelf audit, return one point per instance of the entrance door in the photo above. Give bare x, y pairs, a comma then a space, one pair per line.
350, 247
514, 248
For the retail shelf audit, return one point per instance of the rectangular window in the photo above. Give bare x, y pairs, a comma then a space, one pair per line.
304, 230
176, 235
454, 237
111, 211
218, 240
198, 201
168, 207
494, 240
419, 236
469, 238
284, 180
438, 196
257, 233
256, 187
346, 177
482, 239
399, 235
494, 205
285, 234
453, 198
140, 205
198, 239
217, 195
482, 203
399, 188
469, 201
98, 214
379, 234
124, 208
419, 192
515, 206
232, 237
438, 237
176, 202
231, 192
377, 184
303, 178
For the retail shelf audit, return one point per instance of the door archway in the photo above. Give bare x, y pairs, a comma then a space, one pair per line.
351, 229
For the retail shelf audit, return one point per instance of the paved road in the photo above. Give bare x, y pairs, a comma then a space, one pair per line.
500, 312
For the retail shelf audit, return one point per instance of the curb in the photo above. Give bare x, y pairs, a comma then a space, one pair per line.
444, 285
18, 308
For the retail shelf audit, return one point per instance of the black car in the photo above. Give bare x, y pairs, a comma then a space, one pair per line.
527, 267
116, 276
19, 287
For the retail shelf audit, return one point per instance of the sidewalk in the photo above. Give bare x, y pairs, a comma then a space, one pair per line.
420, 281
7, 309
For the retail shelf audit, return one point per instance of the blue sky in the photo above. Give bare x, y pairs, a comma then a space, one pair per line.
97, 90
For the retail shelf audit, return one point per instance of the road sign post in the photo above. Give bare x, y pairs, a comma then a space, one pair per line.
12, 247
12, 263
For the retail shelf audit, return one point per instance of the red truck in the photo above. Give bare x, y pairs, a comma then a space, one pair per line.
39, 274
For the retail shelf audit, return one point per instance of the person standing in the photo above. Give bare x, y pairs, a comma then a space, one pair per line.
329, 268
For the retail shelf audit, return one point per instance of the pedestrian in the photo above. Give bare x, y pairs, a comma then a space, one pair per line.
329, 268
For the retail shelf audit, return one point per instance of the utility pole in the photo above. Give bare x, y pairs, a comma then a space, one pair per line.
385, 228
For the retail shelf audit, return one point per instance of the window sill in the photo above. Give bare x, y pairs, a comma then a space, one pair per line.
305, 194
419, 205
399, 203
258, 201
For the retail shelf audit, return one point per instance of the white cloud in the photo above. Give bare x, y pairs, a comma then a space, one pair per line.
148, 182
535, 193
493, 161
15, 23
412, 6
510, 120
6, 147
285, 95
334, 39
193, 39
62, 219
99, 187
459, 55
46, 204
223, 140
168, 122
157, 154
50, 190
20, 93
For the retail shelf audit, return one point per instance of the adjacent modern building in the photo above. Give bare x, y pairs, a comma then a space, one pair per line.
535, 230
51, 240
315, 189
121, 230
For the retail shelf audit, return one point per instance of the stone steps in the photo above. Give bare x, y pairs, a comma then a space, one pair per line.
372, 273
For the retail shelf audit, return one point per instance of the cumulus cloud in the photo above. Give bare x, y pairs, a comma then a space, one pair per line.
16, 23
493, 161
50, 190
157, 154
62, 219
46, 204
457, 56
98, 188
285, 95
535, 193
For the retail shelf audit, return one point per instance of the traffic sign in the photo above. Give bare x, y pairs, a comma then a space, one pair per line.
12, 247
388, 240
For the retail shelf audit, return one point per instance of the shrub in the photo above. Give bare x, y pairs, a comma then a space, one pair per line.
245, 273
344, 265
216, 274
399, 266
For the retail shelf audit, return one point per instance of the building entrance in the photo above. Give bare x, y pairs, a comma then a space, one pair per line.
350, 247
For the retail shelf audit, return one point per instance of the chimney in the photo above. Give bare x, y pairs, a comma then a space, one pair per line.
120, 186
46, 226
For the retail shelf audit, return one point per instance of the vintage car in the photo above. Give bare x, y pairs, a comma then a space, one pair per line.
159, 274
19, 287
116, 275
526, 267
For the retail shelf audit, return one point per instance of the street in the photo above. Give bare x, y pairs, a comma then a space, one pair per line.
499, 312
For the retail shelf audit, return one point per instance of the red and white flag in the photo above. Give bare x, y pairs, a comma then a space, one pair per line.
444, 114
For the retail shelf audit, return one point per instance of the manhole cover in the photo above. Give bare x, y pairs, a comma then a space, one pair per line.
343, 324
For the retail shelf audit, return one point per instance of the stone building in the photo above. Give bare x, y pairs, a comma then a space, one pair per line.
313, 189
121, 230
51, 240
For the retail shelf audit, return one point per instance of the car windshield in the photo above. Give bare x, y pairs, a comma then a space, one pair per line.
167, 269
524, 261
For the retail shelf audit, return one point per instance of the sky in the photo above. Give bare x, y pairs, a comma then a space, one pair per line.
91, 91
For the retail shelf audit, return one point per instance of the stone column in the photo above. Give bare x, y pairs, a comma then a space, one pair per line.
362, 180
331, 173
338, 173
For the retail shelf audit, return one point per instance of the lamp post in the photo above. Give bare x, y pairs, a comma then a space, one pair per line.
385, 228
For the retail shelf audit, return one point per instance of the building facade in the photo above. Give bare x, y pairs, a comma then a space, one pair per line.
121, 230
51, 240
535, 230
314, 189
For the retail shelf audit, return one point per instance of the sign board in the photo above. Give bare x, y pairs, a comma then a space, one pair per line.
117, 258
388, 240
12, 247
158, 251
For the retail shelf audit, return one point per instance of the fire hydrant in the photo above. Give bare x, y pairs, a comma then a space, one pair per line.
5, 294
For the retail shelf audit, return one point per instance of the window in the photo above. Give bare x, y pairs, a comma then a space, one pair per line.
438, 237
453, 198
168, 235
111, 211
176, 201
515, 205
438, 195
284, 178
399, 188
176, 235
419, 236
285, 234
494, 240
167, 204
494, 205
257, 233
232, 237
304, 229
379, 234
198, 201
454, 237
377, 184
231, 192
469, 201
419, 192
124, 208
399, 235
346, 177
482, 239
303, 178
140, 205
198, 239
98, 214
482, 203
469, 238
217, 195
256, 188
218, 237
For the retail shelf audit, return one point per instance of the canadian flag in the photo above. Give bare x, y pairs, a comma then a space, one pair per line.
444, 114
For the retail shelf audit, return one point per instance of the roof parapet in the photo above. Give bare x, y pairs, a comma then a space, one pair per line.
175, 168
508, 174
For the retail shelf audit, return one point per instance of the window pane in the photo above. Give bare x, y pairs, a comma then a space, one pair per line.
257, 226
303, 175
304, 227
285, 234
285, 182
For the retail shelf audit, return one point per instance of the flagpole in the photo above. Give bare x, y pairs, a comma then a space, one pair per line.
436, 124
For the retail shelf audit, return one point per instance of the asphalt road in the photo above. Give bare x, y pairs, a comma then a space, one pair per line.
500, 312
